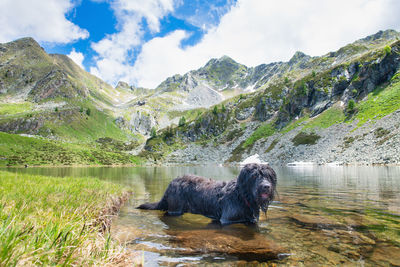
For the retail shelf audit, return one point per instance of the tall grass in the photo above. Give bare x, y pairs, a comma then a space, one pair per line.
55, 221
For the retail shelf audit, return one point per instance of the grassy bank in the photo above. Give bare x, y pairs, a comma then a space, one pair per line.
57, 221
16, 150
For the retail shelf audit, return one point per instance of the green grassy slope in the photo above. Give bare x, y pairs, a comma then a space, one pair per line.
16, 150
51, 96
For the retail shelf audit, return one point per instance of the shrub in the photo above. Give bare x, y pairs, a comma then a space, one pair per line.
215, 110
356, 78
182, 121
286, 80
303, 138
88, 111
380, 132
388, 50
302, 88
56, 109
351, 106
169, 132
153, 132
223, 109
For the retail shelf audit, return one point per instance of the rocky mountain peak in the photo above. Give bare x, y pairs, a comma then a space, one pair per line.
23, 43
220, 61
298, 57
382, 35
122, 84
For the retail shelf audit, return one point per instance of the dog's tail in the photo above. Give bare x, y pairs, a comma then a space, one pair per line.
161, 205
148, 206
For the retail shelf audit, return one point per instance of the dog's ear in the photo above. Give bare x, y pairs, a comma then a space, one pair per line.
244, 175
271, 174
245, 179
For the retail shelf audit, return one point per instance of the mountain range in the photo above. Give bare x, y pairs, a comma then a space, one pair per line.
331, 108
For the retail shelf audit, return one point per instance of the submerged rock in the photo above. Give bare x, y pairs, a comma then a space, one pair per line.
389, 255
242, 244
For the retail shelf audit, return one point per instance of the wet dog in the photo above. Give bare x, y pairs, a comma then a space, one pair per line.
236, 201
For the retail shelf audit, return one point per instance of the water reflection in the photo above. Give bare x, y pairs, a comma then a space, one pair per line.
323, 215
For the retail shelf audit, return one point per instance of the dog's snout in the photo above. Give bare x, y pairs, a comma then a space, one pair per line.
266, 187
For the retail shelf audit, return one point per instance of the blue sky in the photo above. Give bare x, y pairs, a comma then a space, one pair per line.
98, 18
143, 42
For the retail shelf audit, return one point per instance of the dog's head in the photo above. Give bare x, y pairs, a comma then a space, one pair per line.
257, 182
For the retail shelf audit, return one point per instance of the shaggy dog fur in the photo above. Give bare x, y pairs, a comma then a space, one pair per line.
236, 201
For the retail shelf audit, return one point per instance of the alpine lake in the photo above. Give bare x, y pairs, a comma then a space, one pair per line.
322, 215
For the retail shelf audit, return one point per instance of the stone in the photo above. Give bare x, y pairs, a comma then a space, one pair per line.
387, 255
245, 113
142, 122
315, 221
246, 244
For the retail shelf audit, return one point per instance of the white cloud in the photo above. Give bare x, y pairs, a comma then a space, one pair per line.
151, 10
77, 57
115, 50
159, 57
256, 32
43, 20
252, 32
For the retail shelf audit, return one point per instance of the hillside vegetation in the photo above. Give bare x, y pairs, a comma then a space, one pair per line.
64, 112
323, 116
321, 109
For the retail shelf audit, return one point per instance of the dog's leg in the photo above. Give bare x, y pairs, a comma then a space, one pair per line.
175, 207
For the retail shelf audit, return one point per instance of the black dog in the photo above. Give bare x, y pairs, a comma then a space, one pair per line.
237, 201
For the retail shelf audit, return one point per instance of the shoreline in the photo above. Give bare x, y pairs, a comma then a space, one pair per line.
104, 221
166, 164
108, 213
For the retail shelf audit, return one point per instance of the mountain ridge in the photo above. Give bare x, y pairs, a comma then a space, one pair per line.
223, 102
256, 123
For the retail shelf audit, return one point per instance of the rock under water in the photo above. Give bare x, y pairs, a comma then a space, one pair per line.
246, 245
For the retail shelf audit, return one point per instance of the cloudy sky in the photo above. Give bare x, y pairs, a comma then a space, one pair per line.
143, 42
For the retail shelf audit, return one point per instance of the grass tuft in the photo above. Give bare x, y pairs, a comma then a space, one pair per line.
54, 221
303, 138
261, 132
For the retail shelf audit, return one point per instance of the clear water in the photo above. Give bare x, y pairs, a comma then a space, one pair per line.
323, 216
